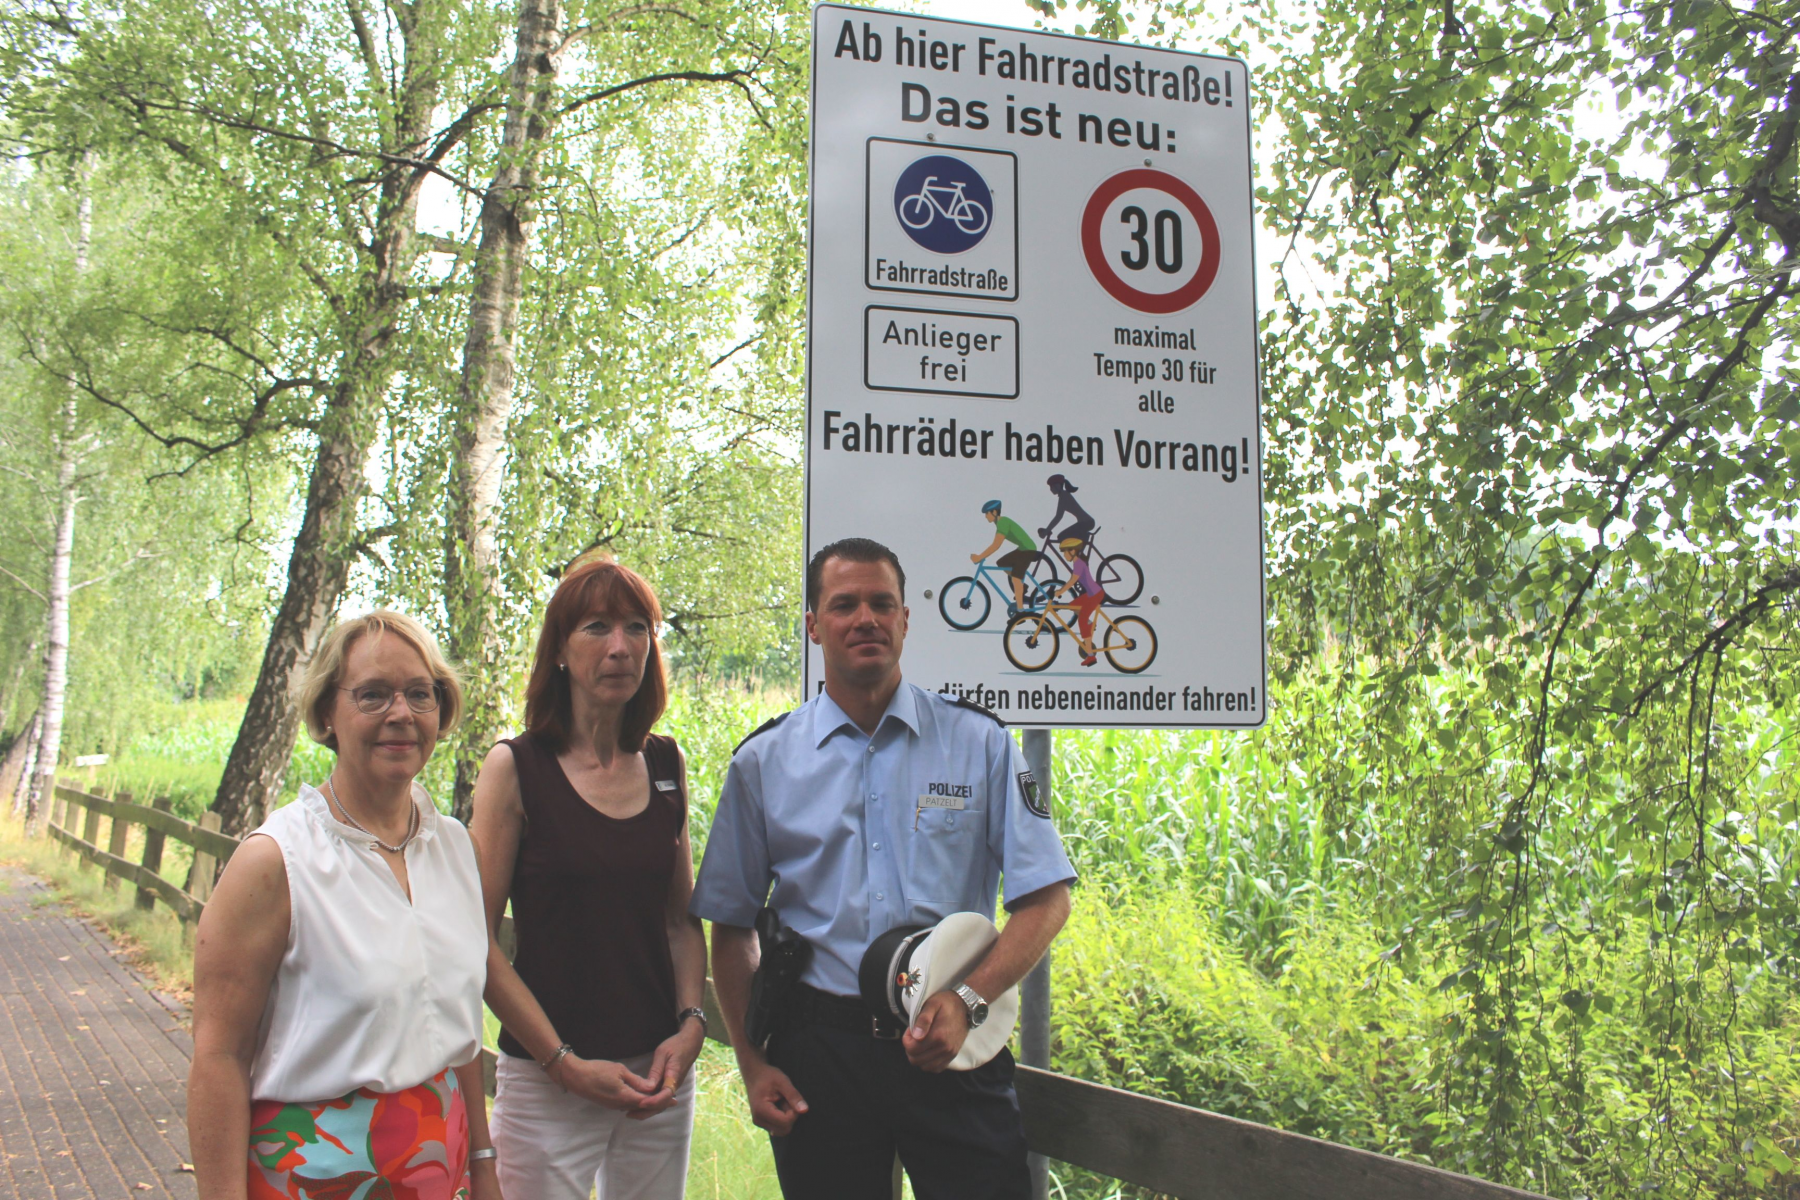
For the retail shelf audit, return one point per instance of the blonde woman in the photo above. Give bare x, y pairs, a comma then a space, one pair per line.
339, 965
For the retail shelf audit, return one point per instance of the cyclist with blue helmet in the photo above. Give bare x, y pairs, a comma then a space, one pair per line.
1015, 562
1080, 524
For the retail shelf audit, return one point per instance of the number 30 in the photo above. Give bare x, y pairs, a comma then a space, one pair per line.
1167, 234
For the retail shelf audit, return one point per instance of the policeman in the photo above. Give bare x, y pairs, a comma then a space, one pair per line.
872, 805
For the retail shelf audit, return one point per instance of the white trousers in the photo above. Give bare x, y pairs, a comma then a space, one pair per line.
558, 1146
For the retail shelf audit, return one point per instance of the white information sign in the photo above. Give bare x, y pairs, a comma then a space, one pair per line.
1032, 309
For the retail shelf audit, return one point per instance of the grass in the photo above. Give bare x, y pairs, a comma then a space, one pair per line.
154, 942
730, 1159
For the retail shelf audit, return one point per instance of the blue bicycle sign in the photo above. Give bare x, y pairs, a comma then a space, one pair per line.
944, 204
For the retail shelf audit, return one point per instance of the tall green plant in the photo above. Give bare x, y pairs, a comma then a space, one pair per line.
1528, 367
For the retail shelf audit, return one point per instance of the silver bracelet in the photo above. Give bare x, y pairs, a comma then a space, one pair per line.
483, 1155
557, 1057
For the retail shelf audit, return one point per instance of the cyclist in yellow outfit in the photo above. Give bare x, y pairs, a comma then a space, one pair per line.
1014, 562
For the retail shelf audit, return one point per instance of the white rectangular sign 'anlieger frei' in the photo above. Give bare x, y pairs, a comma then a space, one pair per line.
1032, 319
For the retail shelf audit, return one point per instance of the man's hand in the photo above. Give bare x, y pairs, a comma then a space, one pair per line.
938, 1033
975, 558
775, 1104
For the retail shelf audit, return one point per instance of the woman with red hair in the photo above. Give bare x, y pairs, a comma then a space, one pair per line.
582, 823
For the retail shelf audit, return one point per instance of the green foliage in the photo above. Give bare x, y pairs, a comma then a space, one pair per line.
167, 565
729, 1158
709, 717
1153, 994
654, 415
1244, 898
1529, 399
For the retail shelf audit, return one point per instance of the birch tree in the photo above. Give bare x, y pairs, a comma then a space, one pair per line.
635, 49
70, 443
313, 132
123, 521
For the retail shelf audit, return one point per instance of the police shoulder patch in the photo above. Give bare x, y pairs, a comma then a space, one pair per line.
767, 725
963, 702
1034, 797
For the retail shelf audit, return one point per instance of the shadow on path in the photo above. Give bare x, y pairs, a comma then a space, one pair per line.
93, 1063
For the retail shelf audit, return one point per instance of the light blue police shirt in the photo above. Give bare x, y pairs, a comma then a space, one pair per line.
857, 834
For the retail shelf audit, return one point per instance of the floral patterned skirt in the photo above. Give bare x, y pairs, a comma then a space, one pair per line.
410, 1145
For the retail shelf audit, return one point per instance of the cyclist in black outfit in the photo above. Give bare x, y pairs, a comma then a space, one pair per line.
1080, 524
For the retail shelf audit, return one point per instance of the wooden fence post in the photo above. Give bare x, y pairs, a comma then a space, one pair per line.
115, 843
200, 879
153, 848
90, 828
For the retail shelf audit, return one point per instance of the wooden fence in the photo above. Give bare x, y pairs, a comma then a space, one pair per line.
211, 848
1169, 1148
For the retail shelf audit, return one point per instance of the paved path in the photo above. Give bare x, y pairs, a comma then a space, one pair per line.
93, 1064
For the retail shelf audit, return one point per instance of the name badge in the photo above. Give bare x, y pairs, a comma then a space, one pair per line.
665, 785
958, 803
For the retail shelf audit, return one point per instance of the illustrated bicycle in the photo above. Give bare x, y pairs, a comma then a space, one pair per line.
965, 602
1118, 575
934, 199
1033, 639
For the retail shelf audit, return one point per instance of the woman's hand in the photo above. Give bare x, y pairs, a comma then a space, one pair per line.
607, 1084
484, 1180
671, 1064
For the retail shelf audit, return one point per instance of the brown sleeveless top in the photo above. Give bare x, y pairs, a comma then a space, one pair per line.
590, 895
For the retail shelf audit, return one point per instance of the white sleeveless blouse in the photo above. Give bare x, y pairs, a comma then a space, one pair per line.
374, 991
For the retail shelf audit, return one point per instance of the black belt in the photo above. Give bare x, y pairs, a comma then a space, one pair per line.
810, 1006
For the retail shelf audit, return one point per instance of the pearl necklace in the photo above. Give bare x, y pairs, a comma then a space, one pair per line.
412, 826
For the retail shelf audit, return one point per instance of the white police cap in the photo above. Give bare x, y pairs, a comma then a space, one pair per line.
908, 965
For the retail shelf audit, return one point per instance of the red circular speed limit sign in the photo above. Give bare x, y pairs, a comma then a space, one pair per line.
1150, 241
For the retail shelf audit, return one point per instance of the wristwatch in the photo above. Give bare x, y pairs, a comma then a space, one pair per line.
978, 1008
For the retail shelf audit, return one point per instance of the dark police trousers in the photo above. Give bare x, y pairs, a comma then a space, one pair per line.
958, 1133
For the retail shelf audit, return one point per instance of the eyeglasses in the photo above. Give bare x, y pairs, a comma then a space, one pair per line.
376, 698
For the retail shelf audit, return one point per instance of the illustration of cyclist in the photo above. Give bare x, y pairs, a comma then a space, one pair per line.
1080, 526
1014, 562
1088, 595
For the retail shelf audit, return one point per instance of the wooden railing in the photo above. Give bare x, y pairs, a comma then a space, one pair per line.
211, 848
1169, 1148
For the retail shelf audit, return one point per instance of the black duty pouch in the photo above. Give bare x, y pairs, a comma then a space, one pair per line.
785, 955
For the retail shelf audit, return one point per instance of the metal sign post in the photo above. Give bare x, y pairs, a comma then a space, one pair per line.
1034, 992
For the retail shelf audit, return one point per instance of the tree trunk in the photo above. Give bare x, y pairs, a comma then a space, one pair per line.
11, 693
56, 650
328, 541
318, 568
15, 771
485, 397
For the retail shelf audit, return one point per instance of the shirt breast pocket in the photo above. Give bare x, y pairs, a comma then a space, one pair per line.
946, 854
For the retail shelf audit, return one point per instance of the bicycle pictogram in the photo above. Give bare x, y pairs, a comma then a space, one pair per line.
944, 204
934, 200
